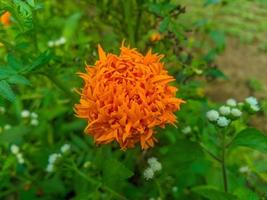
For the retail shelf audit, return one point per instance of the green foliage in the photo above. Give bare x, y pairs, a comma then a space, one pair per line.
48, 42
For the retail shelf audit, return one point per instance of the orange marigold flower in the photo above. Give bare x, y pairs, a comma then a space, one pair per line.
155, 37
125, 96
5, 18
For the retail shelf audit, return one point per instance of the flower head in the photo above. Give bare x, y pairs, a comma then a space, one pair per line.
212, 115
125, 96
223, 121
155, 37
148, 173
5, 18
231, 102
225, 110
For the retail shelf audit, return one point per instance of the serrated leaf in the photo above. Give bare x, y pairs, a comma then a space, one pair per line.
18, 79
212, 193
41, 60
6, 91
251, 138
115, 172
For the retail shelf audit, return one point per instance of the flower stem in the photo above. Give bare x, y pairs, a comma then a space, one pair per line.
95, 182
224, 164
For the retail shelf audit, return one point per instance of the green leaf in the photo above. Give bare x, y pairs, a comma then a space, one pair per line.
71, 25
164, 24
245, 193
212, 193
6, 72
41, 60
13, 62
14, 135
114, 172
251, 138
17, 79
6, 91
210, 2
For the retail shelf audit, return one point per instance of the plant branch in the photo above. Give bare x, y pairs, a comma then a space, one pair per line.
224, 174
210, 153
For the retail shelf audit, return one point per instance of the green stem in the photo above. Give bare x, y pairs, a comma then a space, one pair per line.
159, 189
95, 182
61, 86
224, 164
210, 153
138, 20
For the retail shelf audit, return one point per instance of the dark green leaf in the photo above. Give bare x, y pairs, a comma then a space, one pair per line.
6, 91
13, 62
251, 138
41, 60
164, 24
212, 193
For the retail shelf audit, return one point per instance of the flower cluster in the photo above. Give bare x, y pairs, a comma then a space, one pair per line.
232, 111
56, 43
154, 166
16, 151
53, 158
26, 114
125, 97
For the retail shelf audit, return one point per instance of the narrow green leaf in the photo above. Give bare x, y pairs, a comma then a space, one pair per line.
6, 91
164, 24
17, 79
41, 60
212, 193
251, 138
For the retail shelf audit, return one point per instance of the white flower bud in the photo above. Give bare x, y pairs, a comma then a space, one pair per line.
148, 173
212, 115
251, 101
223, 121
34, 115
225, 110
255, 108
236, 112
50, 168
231, 102
65, 148
14, 149
186, 130
7, 127
53, 158
51, 43
20, 158
34, 122
244, 169
25, 114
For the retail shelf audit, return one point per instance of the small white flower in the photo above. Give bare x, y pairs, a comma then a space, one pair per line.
65, 148
2, 110
174, 189
152, 160
252, 101
34, 122
156, 166
7, 127
244, 169
20, 158
223, 121
50, 168
255, 108
51, 43
225, 110
186, 130
14, 149
148, 173
53, 158
62, 40
212, 115
34, 115
236, 112
231, 102
25, 114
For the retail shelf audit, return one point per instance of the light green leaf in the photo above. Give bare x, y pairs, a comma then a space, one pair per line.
251, 138
71, 25
17, 79
6, 91
212, 193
